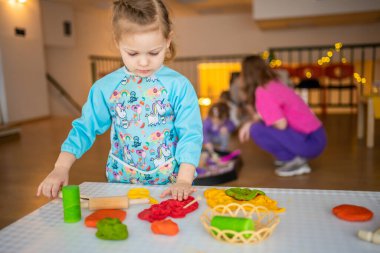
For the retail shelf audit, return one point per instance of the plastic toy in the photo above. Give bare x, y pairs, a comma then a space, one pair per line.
224, 229
369, 236
71, 204
217, 167
230, 156
170, 207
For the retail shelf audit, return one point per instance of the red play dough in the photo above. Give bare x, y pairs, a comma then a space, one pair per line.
170, 207
352, 213
164, 227
93, 218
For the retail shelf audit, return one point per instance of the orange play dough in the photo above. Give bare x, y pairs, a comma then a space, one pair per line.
93, 218
164, 227
352, 213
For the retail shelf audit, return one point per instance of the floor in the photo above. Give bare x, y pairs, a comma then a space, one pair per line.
26, 159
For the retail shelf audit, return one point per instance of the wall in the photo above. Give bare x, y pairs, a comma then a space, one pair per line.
53, 17
70, 66
274, 9
195, 36
22, 70
238, 34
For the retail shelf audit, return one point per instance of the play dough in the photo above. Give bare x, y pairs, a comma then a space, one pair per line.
93, 218
243, 193
352, 213
165, 227
170, 207
111, 229
141, 193
216, 197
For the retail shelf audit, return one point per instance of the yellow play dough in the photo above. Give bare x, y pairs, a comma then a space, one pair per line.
141, 193
216, 197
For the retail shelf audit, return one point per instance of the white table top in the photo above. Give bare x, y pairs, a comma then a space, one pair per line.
307, 226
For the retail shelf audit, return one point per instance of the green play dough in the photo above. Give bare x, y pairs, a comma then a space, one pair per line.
237, 224
111, 229
243, 193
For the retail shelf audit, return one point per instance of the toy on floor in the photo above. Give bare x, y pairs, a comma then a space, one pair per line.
369, 236
71, 204
230, 156
170, 207
141, 193
243, 193
116, 202
164, 227
232, 223
216, 197
111, 229
216, 163
352, 213
93, 218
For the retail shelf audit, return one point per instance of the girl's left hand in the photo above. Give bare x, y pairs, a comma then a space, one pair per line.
244, 132
179, 191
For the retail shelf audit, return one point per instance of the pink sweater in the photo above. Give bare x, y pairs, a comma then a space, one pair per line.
276, 101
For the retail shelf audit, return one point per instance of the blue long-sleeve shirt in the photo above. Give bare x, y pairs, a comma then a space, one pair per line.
147, 116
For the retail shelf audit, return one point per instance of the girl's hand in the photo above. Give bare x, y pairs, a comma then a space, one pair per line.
51, 185
179, 191
244, 131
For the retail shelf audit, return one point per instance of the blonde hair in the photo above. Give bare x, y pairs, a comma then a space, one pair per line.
131, 16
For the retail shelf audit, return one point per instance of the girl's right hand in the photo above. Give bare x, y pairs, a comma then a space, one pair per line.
52, 184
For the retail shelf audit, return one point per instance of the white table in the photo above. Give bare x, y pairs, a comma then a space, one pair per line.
307, 226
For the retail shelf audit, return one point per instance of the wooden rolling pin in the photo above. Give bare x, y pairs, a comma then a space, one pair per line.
117, 202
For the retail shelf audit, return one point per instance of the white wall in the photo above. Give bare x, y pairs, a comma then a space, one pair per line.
23, 66
275, 9
195, 36
70, 66
238, 34
53, 17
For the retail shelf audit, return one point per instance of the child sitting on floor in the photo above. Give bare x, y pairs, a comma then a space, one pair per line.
217, 128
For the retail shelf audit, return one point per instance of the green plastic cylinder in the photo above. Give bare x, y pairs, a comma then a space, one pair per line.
237, 224
71, 204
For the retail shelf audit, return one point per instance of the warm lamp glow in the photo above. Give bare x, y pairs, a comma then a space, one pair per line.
204, 101
338, 46
265, 54
17, 1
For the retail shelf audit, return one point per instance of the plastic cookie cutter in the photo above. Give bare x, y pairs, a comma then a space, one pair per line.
141, 193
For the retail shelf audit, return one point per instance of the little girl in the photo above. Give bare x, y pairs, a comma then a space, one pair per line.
282, 123
217, 128
156, 127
